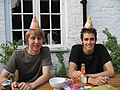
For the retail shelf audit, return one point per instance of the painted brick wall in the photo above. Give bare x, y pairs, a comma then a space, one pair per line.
104, 13
2, 22
74, 21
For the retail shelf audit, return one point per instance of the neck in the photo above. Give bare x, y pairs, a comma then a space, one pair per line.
33, 52
88, 52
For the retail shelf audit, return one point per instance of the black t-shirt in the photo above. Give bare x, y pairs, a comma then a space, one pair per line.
94, 62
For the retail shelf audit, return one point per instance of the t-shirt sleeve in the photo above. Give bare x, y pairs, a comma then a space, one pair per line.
105, 55
46, 57
11, 64
74, 54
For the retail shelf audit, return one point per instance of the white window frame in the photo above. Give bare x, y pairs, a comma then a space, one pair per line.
54, 48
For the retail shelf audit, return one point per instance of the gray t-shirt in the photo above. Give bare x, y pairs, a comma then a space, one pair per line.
29, 66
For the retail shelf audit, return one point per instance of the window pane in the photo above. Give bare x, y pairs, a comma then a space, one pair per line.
55, 21
16, 6
55, 6
56, 37
44, 6
27, 21
16, 22
24, 37
47, 37
45, 21
17, 35
50, 20
27, 6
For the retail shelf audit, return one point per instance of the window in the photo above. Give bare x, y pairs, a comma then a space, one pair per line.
50, 15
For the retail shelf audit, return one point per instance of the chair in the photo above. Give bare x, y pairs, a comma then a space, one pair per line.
13, 77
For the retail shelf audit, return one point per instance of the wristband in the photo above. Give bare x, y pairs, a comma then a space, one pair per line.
87, 78
84, 79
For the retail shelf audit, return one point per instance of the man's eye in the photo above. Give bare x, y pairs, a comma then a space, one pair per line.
91, 39
86, 39
33, 38
39, 38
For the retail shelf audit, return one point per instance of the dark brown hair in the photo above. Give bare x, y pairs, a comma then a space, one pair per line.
86, 30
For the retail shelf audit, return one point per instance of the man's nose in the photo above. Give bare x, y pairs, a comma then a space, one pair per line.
36, 40
89, 41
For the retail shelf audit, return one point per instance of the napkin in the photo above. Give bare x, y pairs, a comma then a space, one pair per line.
104, 87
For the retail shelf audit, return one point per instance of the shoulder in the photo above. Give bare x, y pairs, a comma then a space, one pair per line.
20, 51
45, 49
77, 46
100, 46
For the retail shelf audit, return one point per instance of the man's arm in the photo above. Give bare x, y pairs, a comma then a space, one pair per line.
109, 71
72, 73
42, 79
4, 76
98, 79
30, 86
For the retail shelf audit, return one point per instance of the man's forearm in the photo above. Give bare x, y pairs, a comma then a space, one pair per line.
2, 78
41, 80
105, 73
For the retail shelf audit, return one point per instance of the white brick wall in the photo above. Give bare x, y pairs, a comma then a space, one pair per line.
2, 22
104, 13
74, 21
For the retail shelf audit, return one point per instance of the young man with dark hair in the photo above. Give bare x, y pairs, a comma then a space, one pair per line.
95, 57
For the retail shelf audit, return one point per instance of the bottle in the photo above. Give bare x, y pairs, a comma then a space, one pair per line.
83, 69
83, 76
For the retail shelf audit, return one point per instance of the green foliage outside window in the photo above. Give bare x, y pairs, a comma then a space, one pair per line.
7, 49
62, 70
112, 45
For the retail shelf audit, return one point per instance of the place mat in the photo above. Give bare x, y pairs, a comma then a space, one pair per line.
104, 87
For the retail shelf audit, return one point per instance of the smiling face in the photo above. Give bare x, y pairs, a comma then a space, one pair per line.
88, 42
35, 43
34, 40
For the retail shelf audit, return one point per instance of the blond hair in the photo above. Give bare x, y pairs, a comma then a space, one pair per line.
36, 32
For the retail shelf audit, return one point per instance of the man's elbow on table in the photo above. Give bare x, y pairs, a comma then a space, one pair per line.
109, 68
111, 73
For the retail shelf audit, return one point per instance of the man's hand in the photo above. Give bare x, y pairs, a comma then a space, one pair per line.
14, 86
97, 81
76, 74
21, 86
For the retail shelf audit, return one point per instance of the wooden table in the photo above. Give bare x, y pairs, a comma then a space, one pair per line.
114, 81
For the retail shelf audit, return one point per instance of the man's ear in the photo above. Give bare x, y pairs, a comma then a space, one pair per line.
81, 40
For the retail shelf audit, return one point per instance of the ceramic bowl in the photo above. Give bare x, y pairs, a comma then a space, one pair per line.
57, 82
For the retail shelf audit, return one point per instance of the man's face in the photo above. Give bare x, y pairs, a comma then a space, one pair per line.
88, 42
35, 43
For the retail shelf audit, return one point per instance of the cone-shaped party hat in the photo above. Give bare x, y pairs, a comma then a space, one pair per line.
34, 23
89, 24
